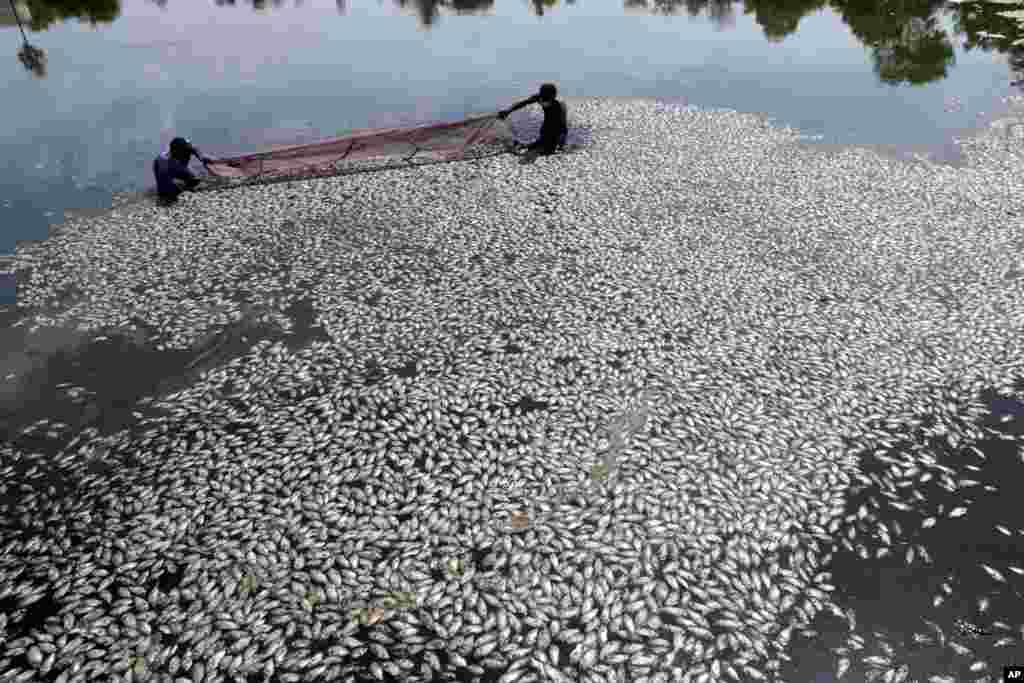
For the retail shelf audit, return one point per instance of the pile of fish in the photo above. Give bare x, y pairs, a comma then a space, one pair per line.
610, 416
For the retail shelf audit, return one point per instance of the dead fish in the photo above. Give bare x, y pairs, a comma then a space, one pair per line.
994, 573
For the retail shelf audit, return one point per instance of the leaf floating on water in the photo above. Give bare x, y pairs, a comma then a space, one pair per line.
400, 600
456, 566
937, 600
994, 573
958, 512
1017, 570
519, 520
247, 584
374, 616
1003, 530
928, 523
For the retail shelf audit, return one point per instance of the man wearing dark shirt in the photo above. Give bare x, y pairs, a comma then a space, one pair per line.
172, 165
555, 127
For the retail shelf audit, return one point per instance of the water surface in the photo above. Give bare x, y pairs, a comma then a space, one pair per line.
122, 79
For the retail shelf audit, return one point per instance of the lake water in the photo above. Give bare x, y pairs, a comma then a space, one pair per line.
235, 78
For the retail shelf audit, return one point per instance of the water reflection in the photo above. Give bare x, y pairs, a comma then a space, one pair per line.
256, 4
780, 19
944, 487
40, 15
984, 27
429, 10
31, 57
921, 53
539, 5
907, 42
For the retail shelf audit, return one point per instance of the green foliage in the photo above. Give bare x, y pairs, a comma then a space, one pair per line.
311, 600
45, 13
33, 59
137, 664
456, 567
400, 600
901, 54
926, 61
247, 585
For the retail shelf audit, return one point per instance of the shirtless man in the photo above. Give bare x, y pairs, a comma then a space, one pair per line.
555, 127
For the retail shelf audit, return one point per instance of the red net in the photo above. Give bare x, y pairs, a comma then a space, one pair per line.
431, 142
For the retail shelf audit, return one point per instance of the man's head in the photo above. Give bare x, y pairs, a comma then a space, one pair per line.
181, 149
548, 92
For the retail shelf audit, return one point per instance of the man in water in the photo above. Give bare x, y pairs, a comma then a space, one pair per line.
555, 126
172, 166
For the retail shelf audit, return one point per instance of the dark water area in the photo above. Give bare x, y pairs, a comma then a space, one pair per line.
121, 79
65, 386
71, 388
943, 613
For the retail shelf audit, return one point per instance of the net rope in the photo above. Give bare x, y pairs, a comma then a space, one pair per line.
365, 151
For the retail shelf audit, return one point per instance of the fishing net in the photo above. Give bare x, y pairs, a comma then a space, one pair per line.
375, 148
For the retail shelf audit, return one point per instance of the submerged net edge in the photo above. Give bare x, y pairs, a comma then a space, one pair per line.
367, 150
440, 141
350, 167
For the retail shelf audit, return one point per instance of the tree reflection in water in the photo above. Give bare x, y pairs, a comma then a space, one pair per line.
905, 38
31, 57
42, 14
429, 10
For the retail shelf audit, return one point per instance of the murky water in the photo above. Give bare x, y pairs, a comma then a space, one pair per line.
943, 612
100, 385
